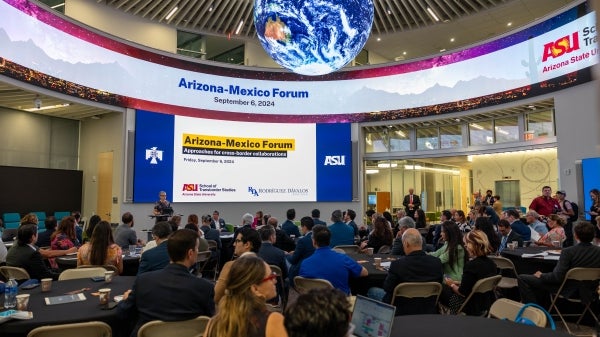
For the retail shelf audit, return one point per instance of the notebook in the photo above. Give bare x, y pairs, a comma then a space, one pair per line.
372, 318
64, 299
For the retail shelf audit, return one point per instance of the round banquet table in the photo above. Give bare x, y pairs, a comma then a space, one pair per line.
377, 275
465, 326
530, 265
84, 311
131, 264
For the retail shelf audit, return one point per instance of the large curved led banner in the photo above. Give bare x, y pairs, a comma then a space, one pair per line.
40, 47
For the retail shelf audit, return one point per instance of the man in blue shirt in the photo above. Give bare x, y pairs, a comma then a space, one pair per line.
316, 214
341, 234
328, 264
304, 247
512, 215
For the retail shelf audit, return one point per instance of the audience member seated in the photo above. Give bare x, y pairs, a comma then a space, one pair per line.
534, 223
282, 240
158, 257
512, 215
325, 263
44, 237
29, 218
25, 254
490, 214
101, 249
273, 255
436, 231
349, 217
416, 266
211, 234
380, 236
243, 311
65, 237
319, 313
316, 214
420, 219
535, 288
94, 220
507, 235
484, 224
172, 293
341, 234
289, 227
461, 221
452, 254
125, 234
203, 243
479, 267
304, 248
247, 242
78, 229
556, 233
404, 223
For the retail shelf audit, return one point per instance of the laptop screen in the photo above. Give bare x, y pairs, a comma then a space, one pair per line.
372, 318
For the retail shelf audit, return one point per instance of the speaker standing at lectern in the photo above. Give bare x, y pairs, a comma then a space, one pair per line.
162, 208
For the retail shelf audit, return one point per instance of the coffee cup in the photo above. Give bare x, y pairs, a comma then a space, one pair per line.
132, 250
369, 251
511, 246
108, 276
104, 295
46, 284
377, 262
515, 243
556, 243
22, 302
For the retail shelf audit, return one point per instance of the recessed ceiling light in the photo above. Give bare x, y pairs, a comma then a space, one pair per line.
509, 24
442, 50
171, 13
432, 13
403, 53
451, 39
389, 11
378, 39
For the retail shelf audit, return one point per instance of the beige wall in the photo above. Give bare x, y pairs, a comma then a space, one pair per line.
97, 136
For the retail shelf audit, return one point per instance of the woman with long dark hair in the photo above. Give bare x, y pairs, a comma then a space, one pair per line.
380, 236
452, 253
461, 221
102, 249
483, 224
243, 312
420, 219
595, 211
94, 220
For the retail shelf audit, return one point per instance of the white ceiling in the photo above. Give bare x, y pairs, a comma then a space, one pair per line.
411, 30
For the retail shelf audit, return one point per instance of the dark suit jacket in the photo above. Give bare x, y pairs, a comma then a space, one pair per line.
30, 260
304, 249
290, 228
318, 221
416, 203
512, 236
283, 241
212, 234
169, 294
44, 239
154, 259
414, 267
275, 256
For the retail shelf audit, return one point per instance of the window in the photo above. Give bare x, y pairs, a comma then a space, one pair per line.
376, 142
541, 123
427, 139
451, 136
400, 140
481, 133
507, 129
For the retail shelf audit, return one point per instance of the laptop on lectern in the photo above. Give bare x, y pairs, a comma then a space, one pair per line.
372, 318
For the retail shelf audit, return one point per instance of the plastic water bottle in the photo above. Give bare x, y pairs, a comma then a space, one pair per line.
10, 293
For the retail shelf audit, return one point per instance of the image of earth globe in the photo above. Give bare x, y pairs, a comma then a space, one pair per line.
313, 37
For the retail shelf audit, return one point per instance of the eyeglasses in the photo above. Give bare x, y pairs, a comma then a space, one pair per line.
271, 277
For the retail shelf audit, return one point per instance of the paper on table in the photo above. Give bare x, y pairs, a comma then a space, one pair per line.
552, 257
535, 236
386, 264
542, 254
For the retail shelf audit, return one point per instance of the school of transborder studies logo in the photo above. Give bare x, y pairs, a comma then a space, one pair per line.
153, 154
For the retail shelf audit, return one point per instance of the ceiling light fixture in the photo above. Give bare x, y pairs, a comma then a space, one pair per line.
432, 13
171, 13
239, 27
37, 102
451, 39
371, 171
378, 39
400, 133
387, 165
58, 6
47, 107
442, 50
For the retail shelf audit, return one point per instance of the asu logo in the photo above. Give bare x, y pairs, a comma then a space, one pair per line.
335, 160
190, 187
564, 45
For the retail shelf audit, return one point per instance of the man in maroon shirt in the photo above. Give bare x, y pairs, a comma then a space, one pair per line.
545, 204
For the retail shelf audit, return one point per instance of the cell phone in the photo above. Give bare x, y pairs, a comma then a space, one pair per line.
109, 306
98, 278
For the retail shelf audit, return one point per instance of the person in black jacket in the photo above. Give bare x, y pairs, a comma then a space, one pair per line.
26, 254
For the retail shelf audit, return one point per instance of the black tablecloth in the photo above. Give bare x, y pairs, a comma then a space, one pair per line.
84, 311
529, 265
465, 326
376, 275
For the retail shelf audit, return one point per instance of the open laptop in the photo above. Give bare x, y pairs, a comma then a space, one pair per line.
372, 318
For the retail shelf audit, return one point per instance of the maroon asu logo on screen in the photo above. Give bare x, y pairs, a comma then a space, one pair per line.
190, 187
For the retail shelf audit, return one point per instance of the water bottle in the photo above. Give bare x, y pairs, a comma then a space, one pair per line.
10, 294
